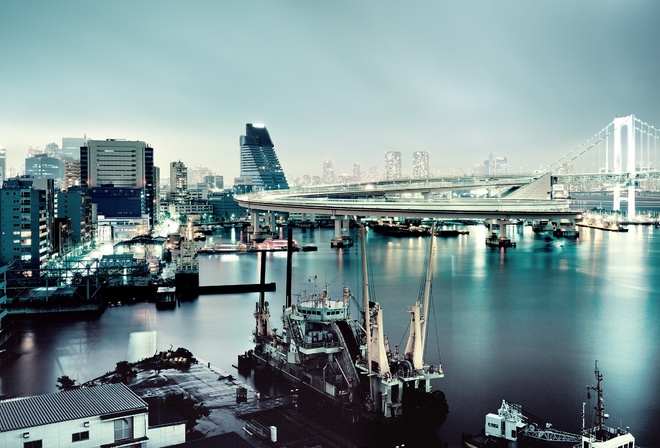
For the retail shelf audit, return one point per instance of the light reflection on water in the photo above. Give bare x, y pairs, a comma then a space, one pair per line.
523, 324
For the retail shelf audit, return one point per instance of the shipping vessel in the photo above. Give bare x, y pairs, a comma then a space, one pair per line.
511, 427
348, 361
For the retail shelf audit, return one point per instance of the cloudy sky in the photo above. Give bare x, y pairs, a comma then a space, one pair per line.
349, 80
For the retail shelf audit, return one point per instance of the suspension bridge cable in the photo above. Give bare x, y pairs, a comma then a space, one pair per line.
559, 163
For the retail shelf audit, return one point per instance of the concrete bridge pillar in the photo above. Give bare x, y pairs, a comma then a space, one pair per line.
272, 222
254, 220
616, 195
338, 222
631, 200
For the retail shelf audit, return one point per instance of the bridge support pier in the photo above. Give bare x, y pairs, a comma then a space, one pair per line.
631, 200
497, 226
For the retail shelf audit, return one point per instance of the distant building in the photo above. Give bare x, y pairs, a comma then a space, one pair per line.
495, 165
258, 161
62, 236
357, 173
53, 150
392, 165
26, 218
178, 191
109, 415
45, 166
373, 175
118, 202
225, 207
71, 174
31, 152
121, 164
198, 174
420, 165
71, 147
76, 205
214, 182
190, 208
3, 164
328, 175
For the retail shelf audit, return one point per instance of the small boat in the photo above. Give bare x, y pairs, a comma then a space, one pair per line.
341, 241
499, 241
275, 244
223, 248
451, 232
309, 248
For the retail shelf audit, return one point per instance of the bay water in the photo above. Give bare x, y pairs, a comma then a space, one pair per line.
525, 324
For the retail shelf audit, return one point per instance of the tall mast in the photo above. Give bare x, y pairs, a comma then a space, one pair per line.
367, 317
599, 418
427, 286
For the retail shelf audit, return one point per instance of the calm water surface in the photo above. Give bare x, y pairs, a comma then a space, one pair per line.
525, 324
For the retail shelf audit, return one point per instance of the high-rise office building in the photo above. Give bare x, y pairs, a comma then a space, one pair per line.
357, 173
71, 174
392, 165
178, 182
420, 165
71, 147
26, 216
328, 176
495, 165
45, 166
259, 163
53, 150
122, 164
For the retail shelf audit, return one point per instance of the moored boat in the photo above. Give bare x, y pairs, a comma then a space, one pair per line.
499, 241
349, 362
511, 427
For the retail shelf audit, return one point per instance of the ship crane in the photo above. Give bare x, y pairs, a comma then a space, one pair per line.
510, 422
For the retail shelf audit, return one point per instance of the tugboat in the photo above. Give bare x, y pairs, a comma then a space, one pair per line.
347, 362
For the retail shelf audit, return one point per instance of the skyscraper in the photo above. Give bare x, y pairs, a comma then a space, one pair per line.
328, 176
178, 182
71, 147
120, 164
420, 165
26, 217
259, 163
392, 165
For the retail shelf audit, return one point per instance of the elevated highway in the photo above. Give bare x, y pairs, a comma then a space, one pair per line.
510, 198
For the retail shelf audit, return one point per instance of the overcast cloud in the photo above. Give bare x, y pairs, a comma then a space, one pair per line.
347, 80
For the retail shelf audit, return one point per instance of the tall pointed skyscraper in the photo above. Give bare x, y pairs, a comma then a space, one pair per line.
259, 162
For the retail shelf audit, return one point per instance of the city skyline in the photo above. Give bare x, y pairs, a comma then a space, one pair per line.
532, 81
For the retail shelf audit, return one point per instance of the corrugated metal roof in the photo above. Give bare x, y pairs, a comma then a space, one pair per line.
19, 413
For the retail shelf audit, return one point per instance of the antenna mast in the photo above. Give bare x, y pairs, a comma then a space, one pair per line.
599, 419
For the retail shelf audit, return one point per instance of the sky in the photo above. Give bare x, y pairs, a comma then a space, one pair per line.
346, 80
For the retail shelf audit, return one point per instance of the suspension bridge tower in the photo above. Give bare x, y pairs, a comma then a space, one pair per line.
627, 123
